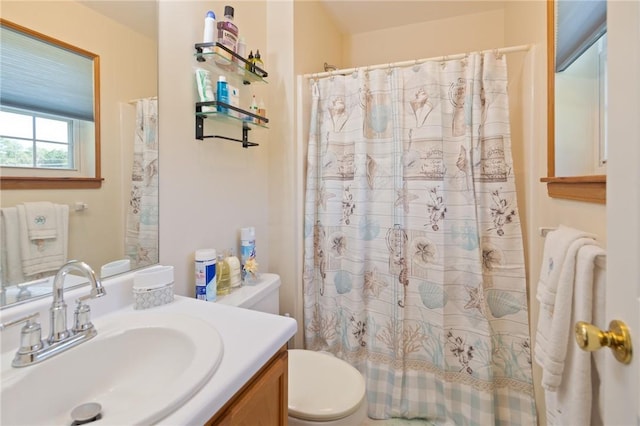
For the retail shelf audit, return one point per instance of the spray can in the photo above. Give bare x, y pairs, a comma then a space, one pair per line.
206, 274
247, 247
209, 30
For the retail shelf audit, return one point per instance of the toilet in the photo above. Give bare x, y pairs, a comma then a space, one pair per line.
323, 390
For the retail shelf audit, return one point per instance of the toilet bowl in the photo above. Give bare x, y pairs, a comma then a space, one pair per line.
323, 390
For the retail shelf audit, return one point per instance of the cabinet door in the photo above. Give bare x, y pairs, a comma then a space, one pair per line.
263, 401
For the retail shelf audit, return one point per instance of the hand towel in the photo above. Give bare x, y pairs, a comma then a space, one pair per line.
576, 399
41, 220
556, 244
11, 258
554, 324
44, 255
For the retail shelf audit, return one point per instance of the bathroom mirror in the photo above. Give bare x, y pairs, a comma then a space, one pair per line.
100, 226
576, 134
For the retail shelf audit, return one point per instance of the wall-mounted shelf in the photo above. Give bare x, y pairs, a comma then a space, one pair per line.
233, 115
238, 67
216, 56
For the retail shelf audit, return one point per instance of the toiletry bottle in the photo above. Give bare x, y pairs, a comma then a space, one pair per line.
259, 65
223, 277
262, 111
205, 89
222, 94
253, 109
234, 269
227, 36
205, 270
250, 62
209, 30
247, 247
242, 50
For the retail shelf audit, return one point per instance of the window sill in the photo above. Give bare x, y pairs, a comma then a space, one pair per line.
14, 182
592, 189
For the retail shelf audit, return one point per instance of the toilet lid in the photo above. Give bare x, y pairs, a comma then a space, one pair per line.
322, 387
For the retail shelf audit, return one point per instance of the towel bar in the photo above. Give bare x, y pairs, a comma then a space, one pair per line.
601, 260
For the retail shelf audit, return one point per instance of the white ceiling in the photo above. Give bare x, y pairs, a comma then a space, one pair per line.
359, 16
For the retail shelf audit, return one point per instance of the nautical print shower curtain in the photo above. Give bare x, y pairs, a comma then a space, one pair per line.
141, 240
413, 264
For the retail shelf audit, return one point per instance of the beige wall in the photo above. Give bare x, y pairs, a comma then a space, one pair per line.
427, 39
128, 64
209, 189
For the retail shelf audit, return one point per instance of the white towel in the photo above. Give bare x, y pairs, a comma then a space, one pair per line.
556, 244
554, 324
41, 220
44, 255
11, 257
576, 399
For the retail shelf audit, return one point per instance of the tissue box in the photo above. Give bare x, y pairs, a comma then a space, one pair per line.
153, 287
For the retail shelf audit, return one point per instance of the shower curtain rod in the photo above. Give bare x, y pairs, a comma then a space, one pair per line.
521, 48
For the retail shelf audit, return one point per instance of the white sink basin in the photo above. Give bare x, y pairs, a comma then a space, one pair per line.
140, 367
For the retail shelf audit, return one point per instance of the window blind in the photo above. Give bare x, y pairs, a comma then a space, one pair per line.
579, 23
39, 76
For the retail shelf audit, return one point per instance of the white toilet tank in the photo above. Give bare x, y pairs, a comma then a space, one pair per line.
262, 296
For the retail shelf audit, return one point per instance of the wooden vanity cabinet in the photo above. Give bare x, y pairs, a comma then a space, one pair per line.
262, 401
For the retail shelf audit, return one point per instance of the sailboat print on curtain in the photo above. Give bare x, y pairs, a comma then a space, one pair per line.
414, 266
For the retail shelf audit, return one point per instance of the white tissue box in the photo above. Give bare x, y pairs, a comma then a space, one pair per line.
153, 287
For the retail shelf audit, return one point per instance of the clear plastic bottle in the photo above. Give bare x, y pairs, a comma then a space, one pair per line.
227, 36
262, 111
253, 109
241, 51
223, 276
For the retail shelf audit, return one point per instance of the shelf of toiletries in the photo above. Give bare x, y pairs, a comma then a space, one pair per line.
224, 60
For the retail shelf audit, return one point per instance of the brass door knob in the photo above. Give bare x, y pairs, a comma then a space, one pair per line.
591, 338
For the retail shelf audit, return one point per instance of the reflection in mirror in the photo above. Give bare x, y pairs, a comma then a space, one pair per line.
112, 228
577, 106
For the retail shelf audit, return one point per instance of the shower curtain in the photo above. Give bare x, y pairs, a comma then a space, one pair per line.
413, 263
141, 241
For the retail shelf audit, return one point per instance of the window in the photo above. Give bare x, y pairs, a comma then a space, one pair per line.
31, 140
49, 121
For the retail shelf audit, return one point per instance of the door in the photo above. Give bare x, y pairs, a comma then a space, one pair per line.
621, 383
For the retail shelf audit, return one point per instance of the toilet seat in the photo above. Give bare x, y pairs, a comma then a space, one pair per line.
322, 387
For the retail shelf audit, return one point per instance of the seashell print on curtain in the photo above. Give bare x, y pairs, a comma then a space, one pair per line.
414, 265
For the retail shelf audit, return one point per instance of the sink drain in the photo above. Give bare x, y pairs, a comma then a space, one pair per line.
86, 413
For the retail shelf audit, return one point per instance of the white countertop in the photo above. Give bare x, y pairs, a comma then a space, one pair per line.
250, 339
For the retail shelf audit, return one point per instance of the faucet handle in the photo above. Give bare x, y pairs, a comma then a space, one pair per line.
82, 316
30, 335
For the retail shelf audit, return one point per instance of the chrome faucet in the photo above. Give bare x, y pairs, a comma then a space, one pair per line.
59, 331
32, 349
